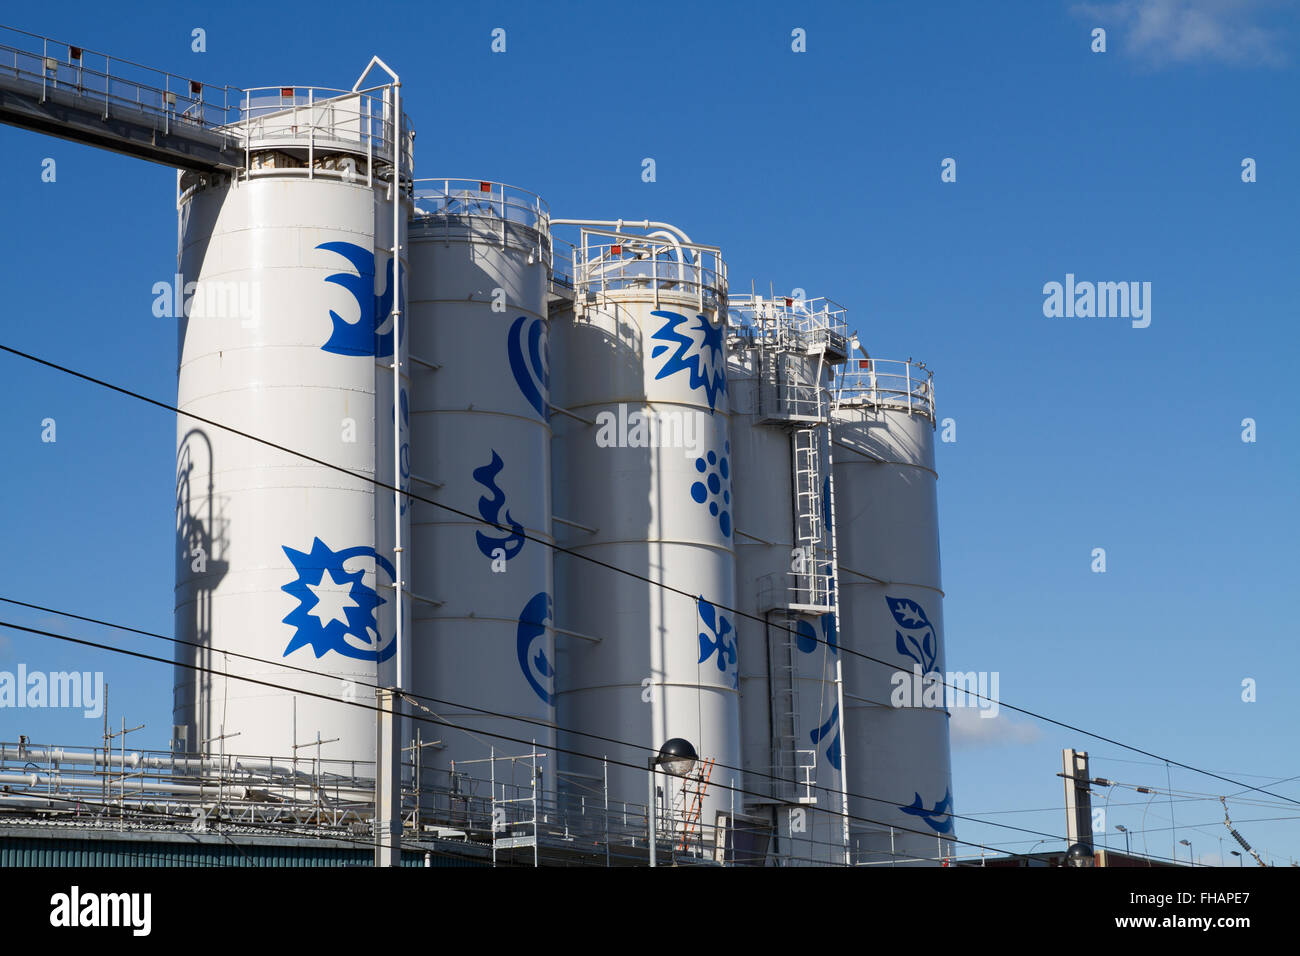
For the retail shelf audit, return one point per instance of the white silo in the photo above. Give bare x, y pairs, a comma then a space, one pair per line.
287, 335
892, 609
782, 357
642, 479
480, 259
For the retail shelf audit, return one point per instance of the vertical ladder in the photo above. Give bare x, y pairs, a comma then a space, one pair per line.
698, 786
784, 673
809, 522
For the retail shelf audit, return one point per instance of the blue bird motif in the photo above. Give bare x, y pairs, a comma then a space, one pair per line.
366, 336
940, 818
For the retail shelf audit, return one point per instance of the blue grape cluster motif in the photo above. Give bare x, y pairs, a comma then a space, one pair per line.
714, 488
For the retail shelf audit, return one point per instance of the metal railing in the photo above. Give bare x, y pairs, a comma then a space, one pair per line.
787, 323
358, 121
481, 210
888, 383
610, 262
321, 119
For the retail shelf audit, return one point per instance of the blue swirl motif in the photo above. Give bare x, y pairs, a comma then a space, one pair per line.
366, 335
490, 508
531, 364
940, 818
824, 731
532, 626
700, 356
356, 634
714, 488
717, 642
911, 617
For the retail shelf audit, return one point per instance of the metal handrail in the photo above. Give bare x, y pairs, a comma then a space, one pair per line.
109, 82
888, 383
617, 262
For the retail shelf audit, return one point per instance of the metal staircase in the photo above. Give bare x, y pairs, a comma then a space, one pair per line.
792, 345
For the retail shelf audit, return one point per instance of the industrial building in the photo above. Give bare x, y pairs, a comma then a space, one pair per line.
501, 537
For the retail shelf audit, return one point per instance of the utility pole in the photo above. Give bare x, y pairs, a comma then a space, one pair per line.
1078, 798
388, 781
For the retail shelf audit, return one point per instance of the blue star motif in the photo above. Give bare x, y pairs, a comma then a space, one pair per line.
362, 626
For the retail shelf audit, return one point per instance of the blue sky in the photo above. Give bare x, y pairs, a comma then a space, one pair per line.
818, 170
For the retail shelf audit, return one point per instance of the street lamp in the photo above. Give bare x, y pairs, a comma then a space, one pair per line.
676, 757
1238, 856
1124, 830
1190, 856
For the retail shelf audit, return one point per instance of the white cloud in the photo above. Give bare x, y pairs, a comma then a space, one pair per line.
1184, 31
970, 731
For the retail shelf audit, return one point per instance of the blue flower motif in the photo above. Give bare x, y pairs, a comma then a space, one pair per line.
716, 641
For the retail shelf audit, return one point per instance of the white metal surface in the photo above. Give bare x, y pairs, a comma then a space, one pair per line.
481, 436
891, 602
278, 557
780, 372
646, 346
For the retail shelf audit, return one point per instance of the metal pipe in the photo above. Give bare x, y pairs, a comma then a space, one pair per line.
618, 224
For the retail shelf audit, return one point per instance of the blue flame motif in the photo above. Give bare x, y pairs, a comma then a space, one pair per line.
940, 818
699, 355
357, 634
715, 486
911, 617
832, 725
490, 508
717, 642
366, 336
533, 662
531, 364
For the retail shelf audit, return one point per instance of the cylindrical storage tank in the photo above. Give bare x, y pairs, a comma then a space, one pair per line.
287, 335
781, 361
481, 439
643, 483
891, 604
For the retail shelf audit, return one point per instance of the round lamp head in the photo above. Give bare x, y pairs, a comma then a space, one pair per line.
677, 757
1079, 855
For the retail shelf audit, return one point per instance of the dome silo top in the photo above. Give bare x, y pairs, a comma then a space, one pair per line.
482, 211
309, 122
610, 263
888, 384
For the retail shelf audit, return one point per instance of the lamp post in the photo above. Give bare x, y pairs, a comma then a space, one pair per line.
1190, 856
677, 757
1124, 830
1238, 856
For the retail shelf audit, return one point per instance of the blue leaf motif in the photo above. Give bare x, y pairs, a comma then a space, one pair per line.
908, 614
